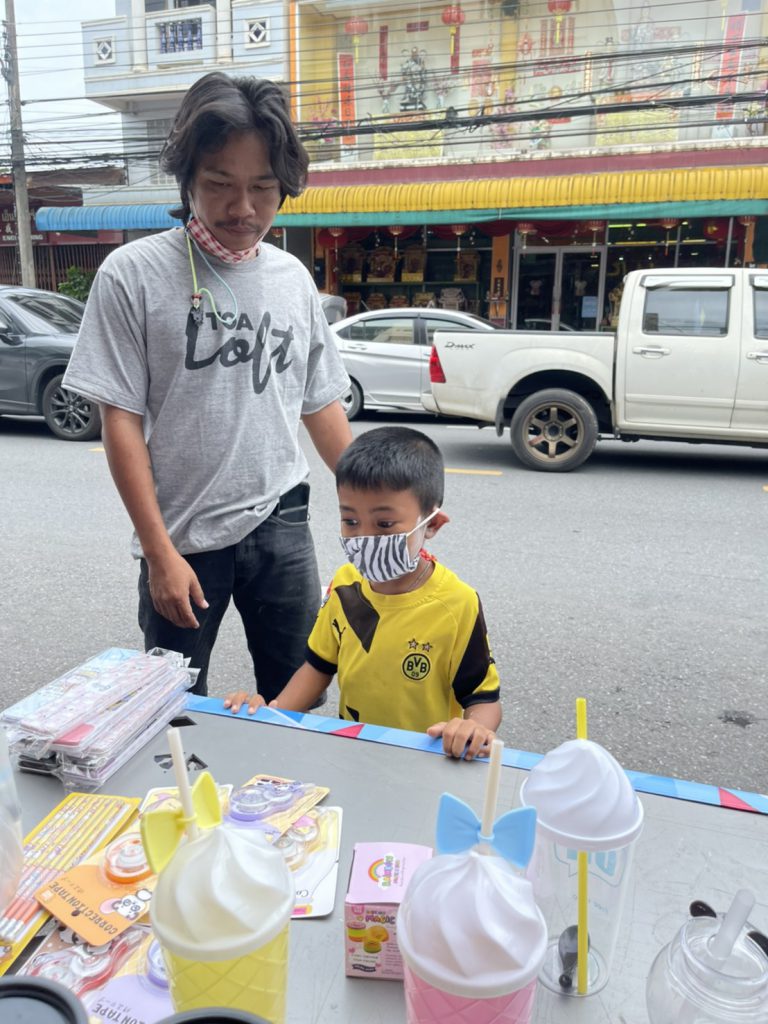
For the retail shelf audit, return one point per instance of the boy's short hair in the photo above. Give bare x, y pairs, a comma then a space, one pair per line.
397, 458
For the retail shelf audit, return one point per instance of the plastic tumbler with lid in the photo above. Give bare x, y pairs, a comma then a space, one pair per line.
11, 848
469, 931
222, 905
715, 971
588, 820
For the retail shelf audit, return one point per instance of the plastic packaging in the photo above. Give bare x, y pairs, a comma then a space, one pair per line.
586, 808
707, 975
86, 724
11, 846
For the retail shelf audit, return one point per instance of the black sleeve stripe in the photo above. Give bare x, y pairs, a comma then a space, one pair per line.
475, 661
319, 663
484, 697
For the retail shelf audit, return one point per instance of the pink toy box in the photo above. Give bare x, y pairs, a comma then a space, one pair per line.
377, 881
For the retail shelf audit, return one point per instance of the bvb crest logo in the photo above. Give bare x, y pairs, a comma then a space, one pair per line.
416, 667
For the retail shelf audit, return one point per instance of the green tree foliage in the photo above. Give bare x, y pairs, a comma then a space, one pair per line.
77, 284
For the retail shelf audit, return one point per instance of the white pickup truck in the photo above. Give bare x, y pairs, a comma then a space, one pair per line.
688, 362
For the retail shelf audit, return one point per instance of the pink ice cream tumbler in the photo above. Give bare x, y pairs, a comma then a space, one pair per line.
472, 941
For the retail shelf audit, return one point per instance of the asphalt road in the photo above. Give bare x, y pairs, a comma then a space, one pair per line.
637, 581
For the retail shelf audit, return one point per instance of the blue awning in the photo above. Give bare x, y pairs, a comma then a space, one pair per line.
142, 217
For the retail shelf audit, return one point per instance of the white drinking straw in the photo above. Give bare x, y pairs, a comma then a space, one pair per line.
182, 781
722, 942
491, 792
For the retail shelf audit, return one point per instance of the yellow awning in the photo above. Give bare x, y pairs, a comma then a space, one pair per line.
682, 185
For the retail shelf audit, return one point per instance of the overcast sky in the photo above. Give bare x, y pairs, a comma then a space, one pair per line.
51, 72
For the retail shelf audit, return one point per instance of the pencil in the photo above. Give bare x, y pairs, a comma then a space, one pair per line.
103, 822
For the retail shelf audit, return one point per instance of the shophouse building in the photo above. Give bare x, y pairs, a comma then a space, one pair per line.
511, 157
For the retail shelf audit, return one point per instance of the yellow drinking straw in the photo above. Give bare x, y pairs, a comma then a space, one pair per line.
582, 942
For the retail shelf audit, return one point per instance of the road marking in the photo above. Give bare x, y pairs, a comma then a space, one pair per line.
476, 472
461, 426
95, 449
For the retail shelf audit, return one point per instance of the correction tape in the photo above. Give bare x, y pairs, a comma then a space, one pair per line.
155, 967
82, 968
249, 803
125, 861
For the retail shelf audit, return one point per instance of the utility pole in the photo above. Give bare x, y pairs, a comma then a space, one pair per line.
18, 167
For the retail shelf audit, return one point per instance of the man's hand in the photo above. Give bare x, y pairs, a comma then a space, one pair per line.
463, 737
236, 700
172, 582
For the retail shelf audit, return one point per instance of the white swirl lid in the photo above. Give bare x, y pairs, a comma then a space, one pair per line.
222, 896
583, 797
469, 926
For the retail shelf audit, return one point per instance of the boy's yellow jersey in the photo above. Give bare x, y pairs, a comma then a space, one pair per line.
404, 661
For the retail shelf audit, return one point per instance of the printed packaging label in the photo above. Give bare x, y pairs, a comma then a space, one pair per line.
377, 881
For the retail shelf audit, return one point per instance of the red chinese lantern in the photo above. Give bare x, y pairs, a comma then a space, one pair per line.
396, 230
525, 228
669, 224
595, 226
559, 8
458, 230
356, 27
276, 231
454, 17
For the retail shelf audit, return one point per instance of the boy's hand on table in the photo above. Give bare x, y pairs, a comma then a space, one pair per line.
463, 737
236, 700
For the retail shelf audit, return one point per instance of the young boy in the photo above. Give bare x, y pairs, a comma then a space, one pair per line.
405, 636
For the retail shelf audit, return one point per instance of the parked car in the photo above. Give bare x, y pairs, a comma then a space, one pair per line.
38, 330
386, 354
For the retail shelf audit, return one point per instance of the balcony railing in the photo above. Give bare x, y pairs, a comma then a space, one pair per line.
180, 36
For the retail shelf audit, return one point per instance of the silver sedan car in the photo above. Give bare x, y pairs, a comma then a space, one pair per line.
386, 354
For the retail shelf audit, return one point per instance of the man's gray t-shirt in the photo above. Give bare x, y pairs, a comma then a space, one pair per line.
221, 405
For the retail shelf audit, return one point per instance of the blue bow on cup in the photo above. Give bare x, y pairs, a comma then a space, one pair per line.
459, 829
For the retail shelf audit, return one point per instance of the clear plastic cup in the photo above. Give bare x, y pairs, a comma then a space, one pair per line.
11, 847
687, 986
585, 805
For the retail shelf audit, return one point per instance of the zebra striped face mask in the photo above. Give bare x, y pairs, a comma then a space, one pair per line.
383, 557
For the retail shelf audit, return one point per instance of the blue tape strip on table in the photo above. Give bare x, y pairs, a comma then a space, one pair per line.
658, 785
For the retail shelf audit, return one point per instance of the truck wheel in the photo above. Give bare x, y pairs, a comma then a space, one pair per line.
553, 430
70, 416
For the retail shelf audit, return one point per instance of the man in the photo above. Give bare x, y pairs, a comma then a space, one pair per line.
204, 349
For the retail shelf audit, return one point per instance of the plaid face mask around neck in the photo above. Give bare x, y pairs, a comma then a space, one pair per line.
383, 557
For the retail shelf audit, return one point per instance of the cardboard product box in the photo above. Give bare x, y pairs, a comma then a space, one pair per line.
377, 881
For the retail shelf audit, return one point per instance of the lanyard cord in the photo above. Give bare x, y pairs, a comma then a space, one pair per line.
228, 319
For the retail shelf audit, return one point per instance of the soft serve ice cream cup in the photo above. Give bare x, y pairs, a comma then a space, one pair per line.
221, 912
584, 802
472, 941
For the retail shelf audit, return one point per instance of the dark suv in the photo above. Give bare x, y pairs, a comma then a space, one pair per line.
38, 331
